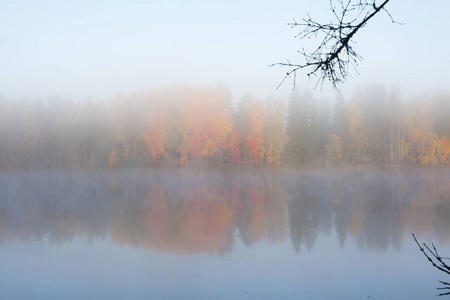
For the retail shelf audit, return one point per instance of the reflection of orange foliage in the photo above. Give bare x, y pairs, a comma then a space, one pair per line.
194, 214
357, 216
202, 219
192, 227
207, 228
258, 225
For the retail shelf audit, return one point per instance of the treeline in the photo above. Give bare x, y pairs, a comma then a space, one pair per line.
194, 126
377, 127
173, 126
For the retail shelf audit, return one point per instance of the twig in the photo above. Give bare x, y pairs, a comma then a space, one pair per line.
426, 250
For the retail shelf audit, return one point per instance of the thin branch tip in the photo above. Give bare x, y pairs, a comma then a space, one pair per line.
335, 53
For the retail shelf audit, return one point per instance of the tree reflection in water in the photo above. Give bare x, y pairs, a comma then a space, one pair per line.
189, 212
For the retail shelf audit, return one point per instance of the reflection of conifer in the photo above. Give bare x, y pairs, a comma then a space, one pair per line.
304, 212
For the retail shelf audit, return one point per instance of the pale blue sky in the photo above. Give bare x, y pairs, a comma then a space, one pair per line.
97, 49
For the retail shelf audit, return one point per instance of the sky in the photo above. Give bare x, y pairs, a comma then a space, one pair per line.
99, 49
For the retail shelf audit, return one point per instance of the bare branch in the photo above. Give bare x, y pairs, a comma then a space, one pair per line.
334, 56
437, 261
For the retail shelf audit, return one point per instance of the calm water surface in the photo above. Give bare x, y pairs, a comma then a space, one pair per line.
230, 235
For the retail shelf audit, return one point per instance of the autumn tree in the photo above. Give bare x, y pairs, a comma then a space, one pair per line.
443, 150
424, 141
196, 126
334, 149
231, 151
208, 122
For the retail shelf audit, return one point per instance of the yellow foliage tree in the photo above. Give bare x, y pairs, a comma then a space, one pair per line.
334, 148
443, 150
405, 148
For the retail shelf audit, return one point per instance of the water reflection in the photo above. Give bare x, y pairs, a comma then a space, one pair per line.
193, 212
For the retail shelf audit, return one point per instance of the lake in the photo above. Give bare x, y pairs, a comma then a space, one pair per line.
183, 234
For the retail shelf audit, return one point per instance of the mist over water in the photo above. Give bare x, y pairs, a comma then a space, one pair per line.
149, 151
352, 226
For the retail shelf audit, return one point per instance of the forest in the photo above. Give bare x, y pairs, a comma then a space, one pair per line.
179, 126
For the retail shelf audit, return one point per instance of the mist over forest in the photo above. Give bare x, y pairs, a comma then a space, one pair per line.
191, 126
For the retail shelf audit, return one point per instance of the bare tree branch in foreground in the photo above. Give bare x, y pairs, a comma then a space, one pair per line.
335, 54
437, 261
